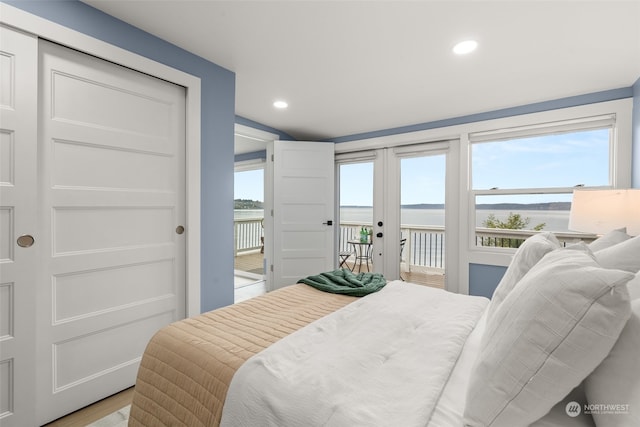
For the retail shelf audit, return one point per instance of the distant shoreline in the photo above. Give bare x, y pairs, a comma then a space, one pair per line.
551, 206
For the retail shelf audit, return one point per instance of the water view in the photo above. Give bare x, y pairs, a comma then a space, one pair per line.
248, 213
555, 220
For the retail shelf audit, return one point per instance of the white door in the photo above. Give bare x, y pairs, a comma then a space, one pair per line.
18, 139
111, 159
303, 211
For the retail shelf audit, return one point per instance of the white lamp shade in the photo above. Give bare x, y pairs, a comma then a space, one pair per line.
600, 211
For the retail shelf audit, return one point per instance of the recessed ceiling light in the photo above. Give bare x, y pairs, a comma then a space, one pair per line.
465, 47
280, 104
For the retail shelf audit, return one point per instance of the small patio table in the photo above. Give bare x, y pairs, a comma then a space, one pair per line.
362, 251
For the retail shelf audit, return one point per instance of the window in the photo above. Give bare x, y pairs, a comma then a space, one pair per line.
523, 178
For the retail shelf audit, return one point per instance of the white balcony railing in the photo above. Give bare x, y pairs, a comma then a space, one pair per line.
499, 237
247, 234
424, 245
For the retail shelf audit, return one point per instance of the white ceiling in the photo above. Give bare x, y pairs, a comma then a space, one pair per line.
347, 67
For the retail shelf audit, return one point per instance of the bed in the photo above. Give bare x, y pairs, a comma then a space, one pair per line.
557, 345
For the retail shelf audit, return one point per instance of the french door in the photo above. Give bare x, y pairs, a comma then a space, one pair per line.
404, 196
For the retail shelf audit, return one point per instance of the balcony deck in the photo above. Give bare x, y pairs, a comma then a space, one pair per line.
252, 262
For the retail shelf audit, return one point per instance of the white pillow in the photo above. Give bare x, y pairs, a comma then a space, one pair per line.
623, 256
559, 416
528, 254
549, 333
617, 379
634, 287
611, 238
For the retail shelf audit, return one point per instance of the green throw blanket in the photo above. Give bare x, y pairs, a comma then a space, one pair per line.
346, 283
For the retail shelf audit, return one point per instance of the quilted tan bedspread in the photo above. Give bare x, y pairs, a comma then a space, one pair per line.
187, 366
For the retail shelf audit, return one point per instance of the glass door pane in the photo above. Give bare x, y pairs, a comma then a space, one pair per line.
422, 219
356, 216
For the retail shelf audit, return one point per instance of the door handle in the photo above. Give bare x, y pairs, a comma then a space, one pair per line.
329, 222
25, 241
378, 234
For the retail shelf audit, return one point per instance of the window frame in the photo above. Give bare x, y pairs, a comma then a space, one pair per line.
612, 116
458, 133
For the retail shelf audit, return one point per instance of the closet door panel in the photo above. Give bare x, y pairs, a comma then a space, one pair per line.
112, 192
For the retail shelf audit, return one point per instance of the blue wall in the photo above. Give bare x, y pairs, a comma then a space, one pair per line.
483, 279
218, 117
573, 101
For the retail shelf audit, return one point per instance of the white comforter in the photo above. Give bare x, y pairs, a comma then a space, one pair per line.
383, 360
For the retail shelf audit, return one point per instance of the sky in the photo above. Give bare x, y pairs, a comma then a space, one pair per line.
249, 185
422, 179
562, 160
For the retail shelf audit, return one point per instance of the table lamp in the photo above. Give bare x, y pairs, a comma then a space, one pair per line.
600, 211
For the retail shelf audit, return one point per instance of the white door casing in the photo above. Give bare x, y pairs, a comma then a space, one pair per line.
18, 139
303, 210
112, 194
262, 139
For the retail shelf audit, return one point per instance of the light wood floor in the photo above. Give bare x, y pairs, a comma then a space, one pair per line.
249, 261
93, 413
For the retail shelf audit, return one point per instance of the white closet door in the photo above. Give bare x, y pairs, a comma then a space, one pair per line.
18, 139
112, 197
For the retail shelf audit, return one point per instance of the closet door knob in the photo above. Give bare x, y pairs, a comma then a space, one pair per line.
179, 229
25, 241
